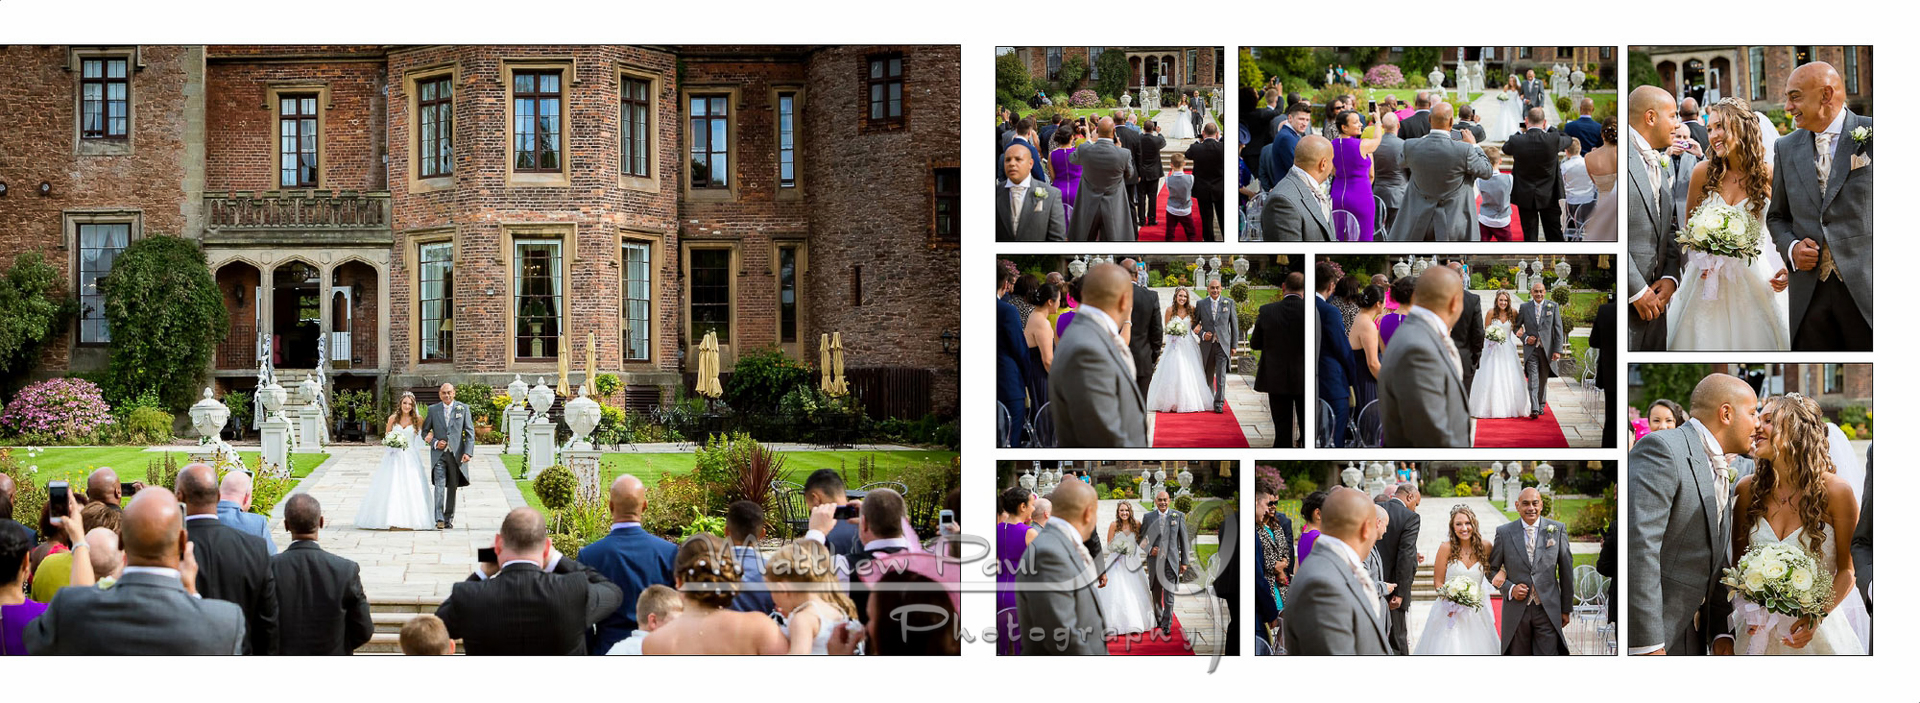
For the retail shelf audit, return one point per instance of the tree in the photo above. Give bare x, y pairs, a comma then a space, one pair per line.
1674, 382
1250, 74
1071, 71
1419, 60
1011, 80
1640, 70
33, 308
165, 315
1114, 71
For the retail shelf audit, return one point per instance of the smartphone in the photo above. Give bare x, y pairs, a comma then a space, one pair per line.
126, 489
946, 517
1373, 107
846, 512
488, 556
57, 500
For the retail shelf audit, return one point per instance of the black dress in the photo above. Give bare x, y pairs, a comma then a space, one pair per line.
1363, 382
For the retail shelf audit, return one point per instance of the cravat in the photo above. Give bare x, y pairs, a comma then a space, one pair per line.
1719, 484
1366, 584
1530, 531
1823, 147
1019, 193
1653, 174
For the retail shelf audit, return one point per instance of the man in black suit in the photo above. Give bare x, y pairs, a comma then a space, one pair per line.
1862, 546
1470, 122
1400, 550
1279, 334
1470, 333
1690, 116
323, 609
1144, 335
1209, 159
1537, 188
516, 606
1603, 338
234, 565
1146, 162
1126, 133
1417, 125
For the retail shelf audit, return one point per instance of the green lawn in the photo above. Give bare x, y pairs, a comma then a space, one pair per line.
648, 467
1205, 552
1562, 507
72, 464
1587, 559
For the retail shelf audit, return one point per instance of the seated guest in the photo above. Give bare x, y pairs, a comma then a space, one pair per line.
236, 498
56, 569
628, 556
746, 526
825, 487
515, 606
658, 606
905, 621
234, 565
323, 609
708, 580
17, 611
808, 592
425, 635
152, 608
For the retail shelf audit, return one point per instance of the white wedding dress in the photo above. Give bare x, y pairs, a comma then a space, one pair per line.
401, 493
1179, 382
1848, 468
1126, 600
1724, 304
1453, 629
1835, 635
1505, 122
1182, 125
1499, 386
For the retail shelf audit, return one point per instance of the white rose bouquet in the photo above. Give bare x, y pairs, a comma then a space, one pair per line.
395, 439
1177, 328
1772, 586
1497, 335
1722, 230
1122, 548
1463, 591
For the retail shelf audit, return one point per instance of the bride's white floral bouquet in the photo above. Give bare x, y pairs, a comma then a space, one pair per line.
1463, 591
1497, 335
1503, 97
395, 439
1122, 548
1722, 230
1177, 328
1773, 585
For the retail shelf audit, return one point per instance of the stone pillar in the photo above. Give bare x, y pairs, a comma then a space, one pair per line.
276, 441
516, 429
1496, 487
308, 438
539, 447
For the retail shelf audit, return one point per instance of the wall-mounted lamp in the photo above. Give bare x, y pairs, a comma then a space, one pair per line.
239, 294
949, 342
3, 189
46, 189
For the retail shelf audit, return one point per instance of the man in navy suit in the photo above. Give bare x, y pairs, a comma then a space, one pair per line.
628, 556
236, 498
1277, 159
826, 487
1011, 365
1585, 129
1336, 357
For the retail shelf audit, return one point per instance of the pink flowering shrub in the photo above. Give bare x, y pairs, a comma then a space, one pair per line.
1084, 98
1385, 75
63, 409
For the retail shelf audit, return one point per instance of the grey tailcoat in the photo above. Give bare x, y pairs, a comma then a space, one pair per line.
1225, 325
1105, 170
1549, 574
1056, 596
1841, 219
1652, 252
1389, 175
1328, 611
1096, 401
1292, 214
1543, 321
140, 614
1678, 542
1439, 200
1423, 402
1042, 217
458, 433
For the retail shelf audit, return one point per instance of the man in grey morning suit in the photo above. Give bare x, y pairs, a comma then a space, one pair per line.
1040, 216
1545, 334
1423, 402
1823, 224
1438, 206
1680, 523
1101, 211
1331, 607
1539, 563
1389, 173
1653, 255
1298, 208
450, 429
1056, 580
1219, 320
1096, 401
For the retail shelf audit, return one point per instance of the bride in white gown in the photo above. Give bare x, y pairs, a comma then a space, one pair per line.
400, 495
1179, 382
1452, 628
1125, 600
1724, 304
1183, 123
1793, 484
1511, 112
1499, 386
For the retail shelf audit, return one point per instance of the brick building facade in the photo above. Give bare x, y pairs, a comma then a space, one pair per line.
458, 213
1758, 74
1171, 67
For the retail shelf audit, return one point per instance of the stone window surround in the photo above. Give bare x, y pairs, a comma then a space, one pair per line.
656, 261
416, 240
797, 191
568, 234
886, 124
732, 247
656, 87
569, 78
70, 243
734, 112
112, 146
798, 347
410, 84
933, 191
278, 89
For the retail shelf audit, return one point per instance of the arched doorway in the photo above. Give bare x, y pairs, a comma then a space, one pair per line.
1134, 74
239, 284
1721, 80
1153, 70
1169, 70
1669, 77
296, 316
355, 298
1694, 78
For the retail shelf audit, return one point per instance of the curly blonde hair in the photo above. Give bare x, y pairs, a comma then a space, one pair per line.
707, 573
1738, 120
1798, 468
1474, 543
807, 561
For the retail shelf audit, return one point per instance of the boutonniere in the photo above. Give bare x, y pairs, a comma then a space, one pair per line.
1730, 474
1862, 134
1665, 162
1552, 529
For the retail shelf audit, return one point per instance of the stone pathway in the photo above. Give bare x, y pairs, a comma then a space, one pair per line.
404, 563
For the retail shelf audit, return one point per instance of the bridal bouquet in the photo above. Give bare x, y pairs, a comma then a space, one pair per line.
1503, 97
1122, 548
395, 439
1497, 335
1720, 229
1773, 585
1176, 328
1463, 591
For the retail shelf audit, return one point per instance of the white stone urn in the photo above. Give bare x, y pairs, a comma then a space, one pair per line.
1078, 266
1026, 480
273, 399
517, 391
1544, 472
583, 414
1160, 477
542, 399
1402, 269
1562, 269
1351, 476
1185, 478
310, 390
208, 416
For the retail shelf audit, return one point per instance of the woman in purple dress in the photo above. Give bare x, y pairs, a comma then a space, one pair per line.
1011, 537
1066, 173
1309, 523
1352, 187
1401, 292
17, 611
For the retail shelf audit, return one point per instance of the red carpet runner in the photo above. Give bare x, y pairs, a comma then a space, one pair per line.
1542, 433
1151, 643
1157, 232
1202, 429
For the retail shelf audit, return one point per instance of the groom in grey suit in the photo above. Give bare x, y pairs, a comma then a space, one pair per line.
450, 429
1333, 607
1169, 556
1220, 331
1298, 208
1058, 611
1439, 202
1680, 523
1821, 215
1539, 565
1423, 401
1096, 400
1545, 334
1654, 256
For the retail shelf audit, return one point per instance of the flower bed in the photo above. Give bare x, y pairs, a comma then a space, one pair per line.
62, 410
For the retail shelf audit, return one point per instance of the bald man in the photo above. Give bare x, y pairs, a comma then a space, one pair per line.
1101, 209
152, 607
1655, 257
1095, 399
449, 432
1298, 208
1821, 214
1585, 128
1441, 171
323, 606
1057, 608
1423, 396
1334, 607
236, 499
1389, 174
532, 600
1680, 523
1538, 604
103, 486
630, 557
234, 565
1027, 209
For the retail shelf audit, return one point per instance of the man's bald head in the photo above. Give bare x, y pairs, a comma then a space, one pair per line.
1717, 390
1312, 150
103, 485
1042, 509
1379, 517
1344, 515
236, 487
7, 487
198, 488
1420, 100
1439, 289
151, 530
1018, 162
1650, 113
1389, 123
1105, 285
627, 497
1815, 95
1105, 128
1586, 106
1076, 502
103, 549
1689, 109
1442, 116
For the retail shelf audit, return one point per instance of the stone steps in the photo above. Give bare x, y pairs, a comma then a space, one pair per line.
390, 613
